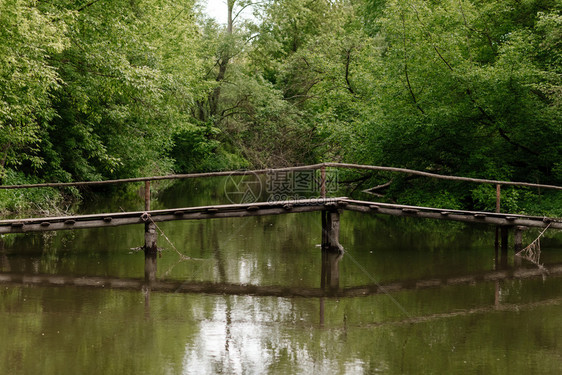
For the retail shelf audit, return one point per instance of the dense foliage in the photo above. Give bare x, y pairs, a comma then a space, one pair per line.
92, 90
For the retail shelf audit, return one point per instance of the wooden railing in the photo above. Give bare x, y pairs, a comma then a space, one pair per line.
297, 168
321, 166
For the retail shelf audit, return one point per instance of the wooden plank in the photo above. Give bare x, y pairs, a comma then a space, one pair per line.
268, 208
196, 213
453, 215
226, 207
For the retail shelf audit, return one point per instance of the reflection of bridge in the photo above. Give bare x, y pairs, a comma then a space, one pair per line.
329, 288
329, 207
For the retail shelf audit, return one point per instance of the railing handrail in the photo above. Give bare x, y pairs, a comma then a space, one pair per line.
285, 169
440, 176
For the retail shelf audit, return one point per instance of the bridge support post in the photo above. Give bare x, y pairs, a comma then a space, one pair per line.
331, 231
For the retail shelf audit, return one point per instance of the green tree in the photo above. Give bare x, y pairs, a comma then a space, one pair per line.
28, 37
123, 91
313, 52
465, 87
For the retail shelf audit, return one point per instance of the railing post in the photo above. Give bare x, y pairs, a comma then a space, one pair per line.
498, 202
147, 195
498, 197
323, 181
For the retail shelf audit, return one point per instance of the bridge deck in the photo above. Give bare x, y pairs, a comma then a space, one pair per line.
491, 218
268, 208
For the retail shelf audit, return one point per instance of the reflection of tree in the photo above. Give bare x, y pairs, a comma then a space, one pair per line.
221, 268
219, 260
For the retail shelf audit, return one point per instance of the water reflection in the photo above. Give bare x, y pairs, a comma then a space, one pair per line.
222, 327
4, 261
150, 267
329, 284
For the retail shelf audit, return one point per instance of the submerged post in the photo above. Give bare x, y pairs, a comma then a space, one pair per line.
518, 243
150, 266
504, 245
331, 231
150, 234
518, 237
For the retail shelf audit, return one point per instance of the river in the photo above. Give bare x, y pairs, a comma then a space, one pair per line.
411, 296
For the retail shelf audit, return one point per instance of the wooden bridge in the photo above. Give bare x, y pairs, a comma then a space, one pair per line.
329, 207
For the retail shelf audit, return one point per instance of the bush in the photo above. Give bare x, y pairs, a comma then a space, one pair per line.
48, 201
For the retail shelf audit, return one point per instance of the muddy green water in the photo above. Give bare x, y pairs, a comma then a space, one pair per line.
511, 326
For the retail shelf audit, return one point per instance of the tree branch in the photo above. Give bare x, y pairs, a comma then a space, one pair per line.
501, 131
347, 63
406, 67
504, 135
244, 7
87, 5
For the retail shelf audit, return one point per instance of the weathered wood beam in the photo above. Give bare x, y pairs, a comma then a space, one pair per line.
136, 217
273, 170
269, 208
453, 215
